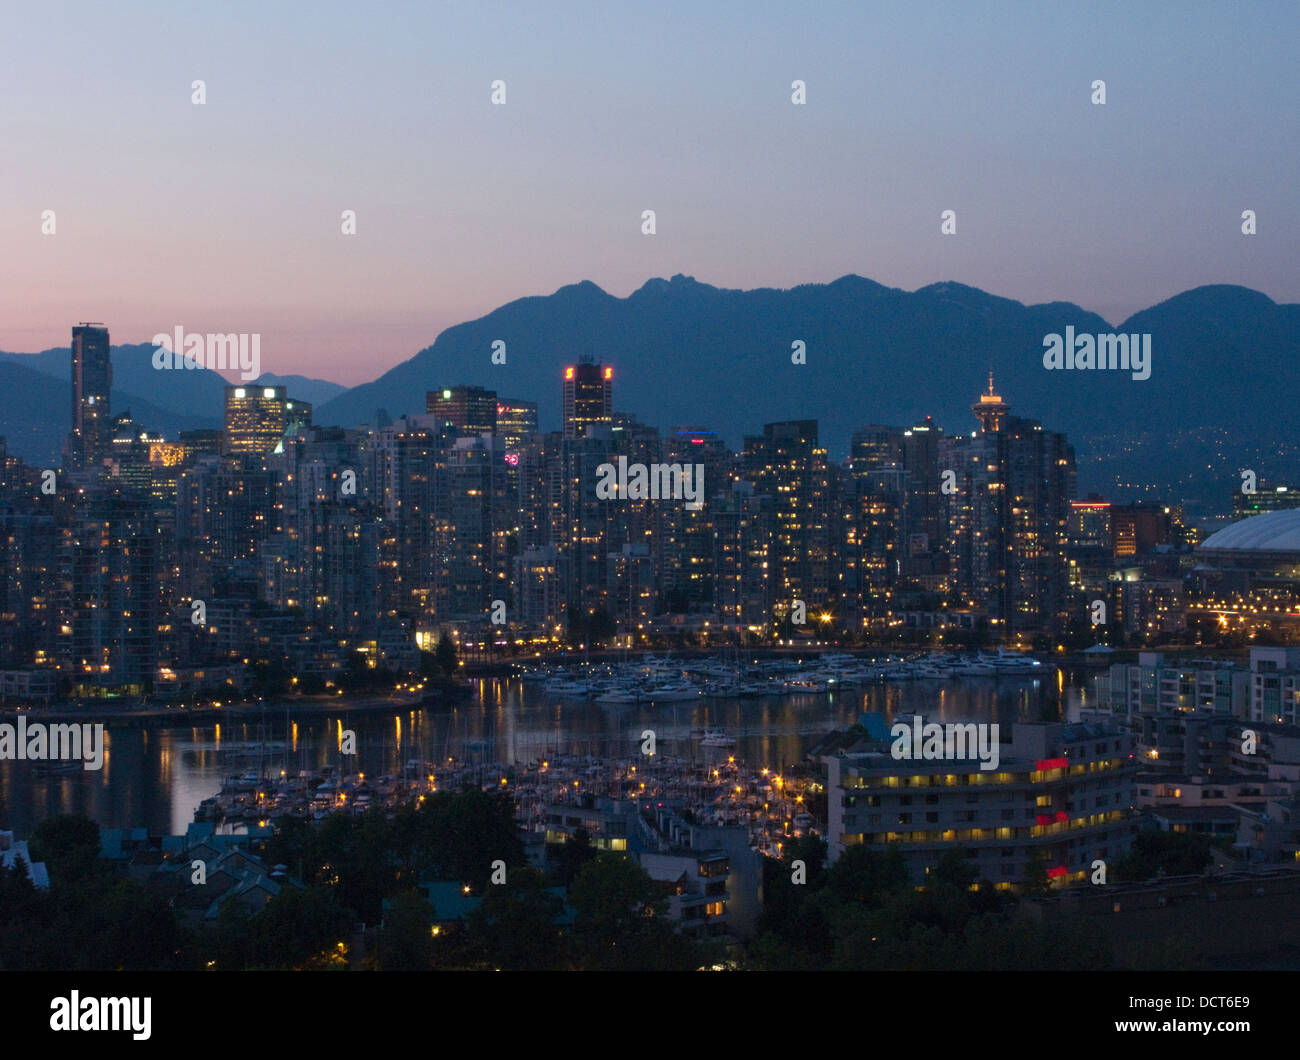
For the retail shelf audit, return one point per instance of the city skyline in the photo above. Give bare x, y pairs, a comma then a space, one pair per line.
741, 486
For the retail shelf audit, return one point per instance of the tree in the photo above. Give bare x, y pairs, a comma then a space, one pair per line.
863, 874
621, 921
954, 869
1156, 853
406, 942
1036, 881
514, 928
446, 655
69, 845
571, 856
300, 928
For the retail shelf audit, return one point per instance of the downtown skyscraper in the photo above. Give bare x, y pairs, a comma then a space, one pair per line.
1007, 506
92, 381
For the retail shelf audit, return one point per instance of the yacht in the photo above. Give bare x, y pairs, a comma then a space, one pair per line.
565, 687
673, 692
617, 696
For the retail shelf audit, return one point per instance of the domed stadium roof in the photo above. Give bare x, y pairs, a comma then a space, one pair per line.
1270, 532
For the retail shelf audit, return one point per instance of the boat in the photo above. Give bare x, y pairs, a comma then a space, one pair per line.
717, 738
619, 696
673, 692
562, 687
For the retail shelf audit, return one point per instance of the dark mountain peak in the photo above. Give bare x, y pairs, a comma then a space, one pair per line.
968, 297
676, 287
1216, 300
582, 287
852, 283
583, 292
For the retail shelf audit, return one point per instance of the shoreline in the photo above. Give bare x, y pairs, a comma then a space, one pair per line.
164, 716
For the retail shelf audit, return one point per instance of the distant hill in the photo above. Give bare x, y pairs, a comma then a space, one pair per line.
684, 352
36, 405
315, 391
1220, 395
36, 414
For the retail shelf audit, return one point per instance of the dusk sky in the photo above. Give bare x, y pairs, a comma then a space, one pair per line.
226, 216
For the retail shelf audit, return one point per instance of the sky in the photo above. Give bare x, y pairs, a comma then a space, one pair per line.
226, 216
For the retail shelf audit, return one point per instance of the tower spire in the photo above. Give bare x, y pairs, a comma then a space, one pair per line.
990, 408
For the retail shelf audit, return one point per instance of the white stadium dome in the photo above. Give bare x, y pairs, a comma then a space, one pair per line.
1270, 532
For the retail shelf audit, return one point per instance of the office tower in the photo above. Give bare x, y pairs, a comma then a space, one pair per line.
588, 398
130, 450
258, 416
875, 446
1138, 528
1007, 521
469, 409
92, 380
920, 450
1088, 537
516, 420
787, 463
1266, 498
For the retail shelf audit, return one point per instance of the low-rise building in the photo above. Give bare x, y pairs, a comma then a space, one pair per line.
1063, 793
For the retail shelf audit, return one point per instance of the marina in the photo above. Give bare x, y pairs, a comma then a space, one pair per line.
766, 714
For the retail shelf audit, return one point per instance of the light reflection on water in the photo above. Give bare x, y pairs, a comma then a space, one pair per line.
156, 778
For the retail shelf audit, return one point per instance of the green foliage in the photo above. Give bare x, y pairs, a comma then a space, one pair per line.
866, 914
406, 943
590, 629
570, 856
514, 927
300, 928
68, 845
1156, 853
446, 655
621, 922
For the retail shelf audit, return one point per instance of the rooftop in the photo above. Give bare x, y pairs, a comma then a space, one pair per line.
1270, 532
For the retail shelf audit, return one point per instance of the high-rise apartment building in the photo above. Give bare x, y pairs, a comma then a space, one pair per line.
787, 463
92, 380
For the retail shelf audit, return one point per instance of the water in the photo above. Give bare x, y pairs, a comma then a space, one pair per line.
156, 777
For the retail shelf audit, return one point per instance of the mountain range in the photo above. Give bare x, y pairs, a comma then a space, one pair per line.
1219, 398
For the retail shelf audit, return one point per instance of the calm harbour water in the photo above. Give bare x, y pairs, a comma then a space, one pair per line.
156, 777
